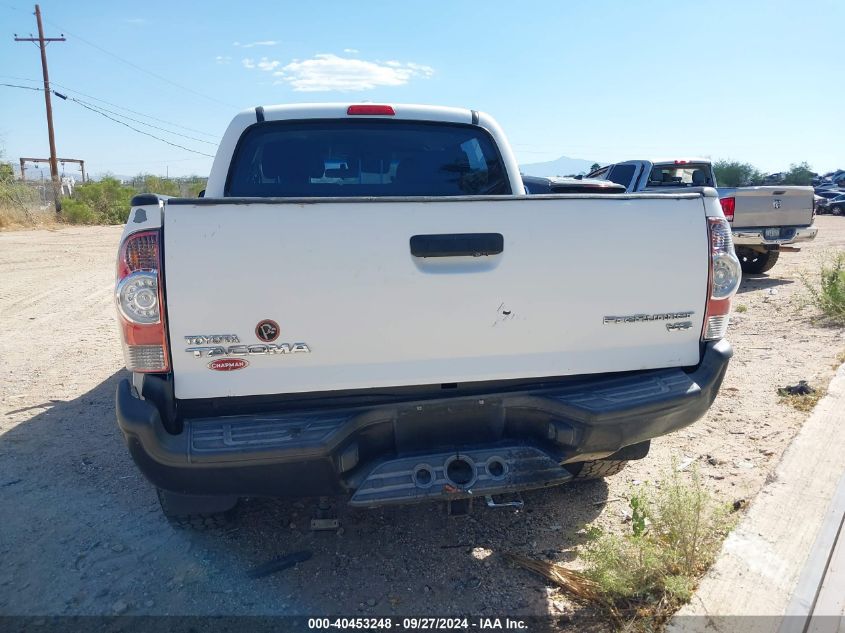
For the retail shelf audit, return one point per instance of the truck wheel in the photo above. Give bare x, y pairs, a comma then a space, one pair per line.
197, 513
597, 468
754, 262
837, 210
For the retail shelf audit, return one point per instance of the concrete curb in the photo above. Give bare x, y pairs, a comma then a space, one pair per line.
773, 563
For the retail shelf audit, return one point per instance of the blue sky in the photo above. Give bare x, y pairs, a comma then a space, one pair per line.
755, 81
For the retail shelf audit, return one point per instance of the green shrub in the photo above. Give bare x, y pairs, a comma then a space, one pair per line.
828, 295
77, 212
649, 573
106, 201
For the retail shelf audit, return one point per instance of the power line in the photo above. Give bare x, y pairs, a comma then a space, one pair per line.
24, 87
118, 106
103, 112
128, 118
158, 138
143, 70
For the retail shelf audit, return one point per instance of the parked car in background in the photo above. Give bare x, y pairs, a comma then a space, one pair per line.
824, 196
835, 206
764, 220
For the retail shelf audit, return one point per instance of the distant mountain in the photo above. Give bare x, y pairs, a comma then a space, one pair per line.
560, 167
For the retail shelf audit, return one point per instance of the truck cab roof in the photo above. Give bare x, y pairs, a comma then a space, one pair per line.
246, 124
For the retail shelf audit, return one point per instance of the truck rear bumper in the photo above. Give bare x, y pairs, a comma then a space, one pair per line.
424, 449
787, 235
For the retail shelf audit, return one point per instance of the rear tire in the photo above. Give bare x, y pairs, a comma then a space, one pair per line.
837, 210
194, 512
755, 262
597, 468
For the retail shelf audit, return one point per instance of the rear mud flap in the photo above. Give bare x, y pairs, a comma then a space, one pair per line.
456, 475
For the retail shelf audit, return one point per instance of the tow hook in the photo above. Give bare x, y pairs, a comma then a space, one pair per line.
518, 504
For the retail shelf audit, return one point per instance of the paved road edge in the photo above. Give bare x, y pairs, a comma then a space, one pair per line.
769, 564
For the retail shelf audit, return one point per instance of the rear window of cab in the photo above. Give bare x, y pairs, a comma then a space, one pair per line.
373, 157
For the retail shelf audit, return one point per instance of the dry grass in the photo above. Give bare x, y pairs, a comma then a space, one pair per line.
20, 206
639, 580
803, 402
573, 582
15, 218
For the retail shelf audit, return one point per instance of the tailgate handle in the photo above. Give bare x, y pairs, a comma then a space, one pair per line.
457, 245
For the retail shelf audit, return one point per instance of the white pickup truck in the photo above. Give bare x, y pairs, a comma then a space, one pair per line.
367, 303
764, 220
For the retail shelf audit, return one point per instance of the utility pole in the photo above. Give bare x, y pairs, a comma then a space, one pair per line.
42, 44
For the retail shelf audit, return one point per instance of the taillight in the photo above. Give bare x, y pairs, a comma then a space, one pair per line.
140, 303
724, 278
385, 110
728, 208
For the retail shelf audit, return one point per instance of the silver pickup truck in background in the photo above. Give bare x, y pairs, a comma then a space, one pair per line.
764, 220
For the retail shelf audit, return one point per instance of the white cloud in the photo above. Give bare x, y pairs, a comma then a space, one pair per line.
351, 51
268, 65
326, 72
258, 43
222, 59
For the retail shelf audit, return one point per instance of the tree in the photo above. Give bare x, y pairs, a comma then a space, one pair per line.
594, 167
798, 174
731, 173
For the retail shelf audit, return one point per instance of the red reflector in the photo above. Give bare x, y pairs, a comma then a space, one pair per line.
139, 252
385, 110
728, 208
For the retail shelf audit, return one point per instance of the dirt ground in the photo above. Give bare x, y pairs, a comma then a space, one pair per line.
81, 532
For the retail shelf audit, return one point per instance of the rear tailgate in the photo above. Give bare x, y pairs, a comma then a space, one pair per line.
339, 277
772, 206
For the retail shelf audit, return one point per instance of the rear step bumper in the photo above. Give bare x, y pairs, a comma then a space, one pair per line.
787, 235
455, 474
406, 452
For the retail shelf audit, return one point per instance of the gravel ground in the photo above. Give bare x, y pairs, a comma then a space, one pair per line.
82, 533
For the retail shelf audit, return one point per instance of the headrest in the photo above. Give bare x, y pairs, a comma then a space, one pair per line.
291, 161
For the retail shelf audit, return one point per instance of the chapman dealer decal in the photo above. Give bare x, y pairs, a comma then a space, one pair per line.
228, 364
